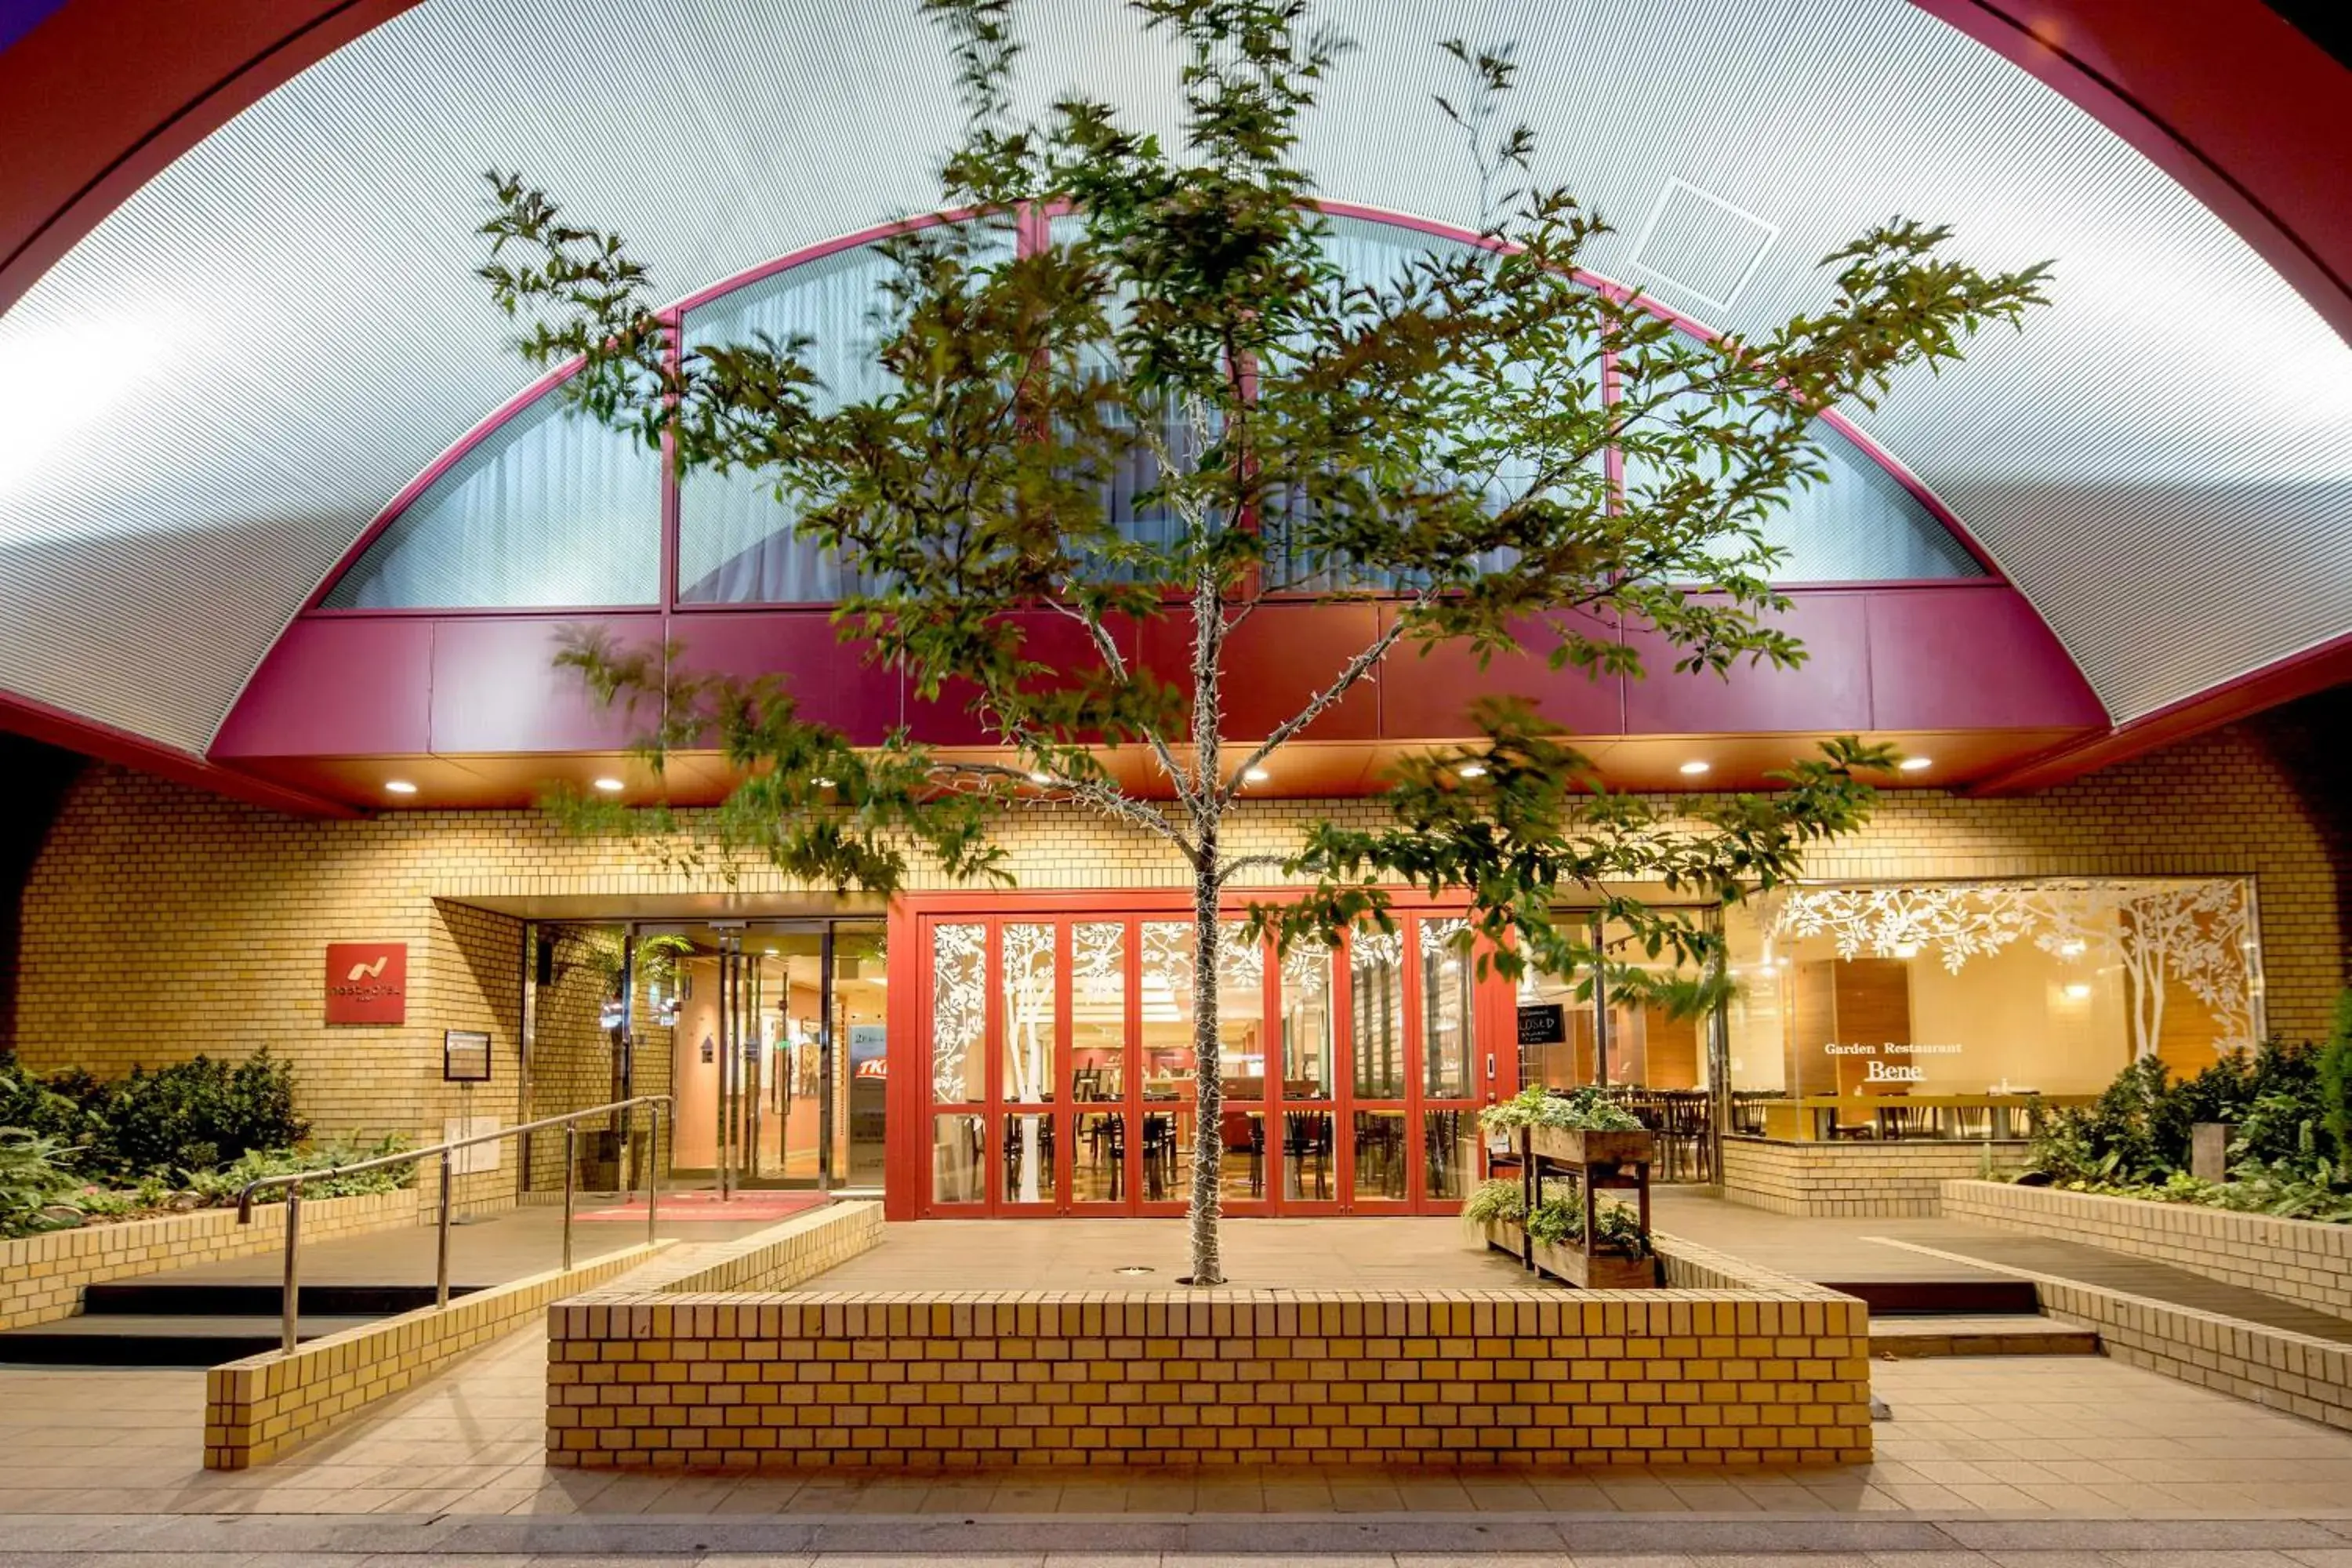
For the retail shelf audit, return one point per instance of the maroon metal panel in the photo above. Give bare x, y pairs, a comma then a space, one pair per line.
834, 683
1427, 695
495, 687
1970, 657
341, 687
1277, 661
1050, 639
1828, 693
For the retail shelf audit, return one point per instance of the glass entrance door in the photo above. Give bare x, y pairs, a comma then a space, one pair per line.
777, 1048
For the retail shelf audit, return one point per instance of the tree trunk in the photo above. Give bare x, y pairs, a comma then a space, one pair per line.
1208, 884
1208, 1079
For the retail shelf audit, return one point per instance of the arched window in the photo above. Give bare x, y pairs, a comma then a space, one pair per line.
552, 510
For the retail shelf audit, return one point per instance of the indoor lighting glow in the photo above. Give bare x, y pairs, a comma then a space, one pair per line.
1694, 769
1474, 770
611, 786
1906, 950
1257, 775
2078, 991
772, 951
2072, 949
1916, 764
399, 786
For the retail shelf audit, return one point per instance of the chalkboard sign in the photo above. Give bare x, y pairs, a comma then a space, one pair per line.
1542, 1023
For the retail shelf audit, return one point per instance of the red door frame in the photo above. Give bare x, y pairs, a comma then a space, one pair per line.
909, 1138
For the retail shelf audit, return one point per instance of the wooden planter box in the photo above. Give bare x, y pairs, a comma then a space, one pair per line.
1503, 1234
1603, 1271
1574, 1146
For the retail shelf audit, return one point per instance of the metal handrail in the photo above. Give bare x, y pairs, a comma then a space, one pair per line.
293, 1181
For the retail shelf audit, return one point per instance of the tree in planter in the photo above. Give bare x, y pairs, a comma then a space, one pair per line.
1439, 441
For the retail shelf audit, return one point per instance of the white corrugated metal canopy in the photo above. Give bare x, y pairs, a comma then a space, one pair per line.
207, 401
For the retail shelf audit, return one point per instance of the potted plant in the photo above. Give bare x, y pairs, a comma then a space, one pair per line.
1582, 1127
1616, 1256
1497, 1213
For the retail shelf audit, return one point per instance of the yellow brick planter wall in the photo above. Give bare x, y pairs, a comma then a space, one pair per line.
264, 1405
42, 1277
1882, 1181
2301, 1261
930, 1381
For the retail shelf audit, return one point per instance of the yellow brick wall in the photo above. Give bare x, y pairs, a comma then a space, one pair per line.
160, 921
1885, 1180
269, 1404
987, 1379
42, 1277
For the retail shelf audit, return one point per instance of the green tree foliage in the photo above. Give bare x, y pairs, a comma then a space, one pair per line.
1437, 438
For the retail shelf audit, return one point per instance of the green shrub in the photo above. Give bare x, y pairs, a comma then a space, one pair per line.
223, 1186
2282, 1099
190, 1115
34, 1181
2335, 1080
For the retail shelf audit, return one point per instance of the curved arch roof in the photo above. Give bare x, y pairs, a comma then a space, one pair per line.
213, 392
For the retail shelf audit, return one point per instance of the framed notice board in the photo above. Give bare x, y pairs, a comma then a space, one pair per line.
465, 1056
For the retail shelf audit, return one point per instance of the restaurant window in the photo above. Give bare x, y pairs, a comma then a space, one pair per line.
1867, 999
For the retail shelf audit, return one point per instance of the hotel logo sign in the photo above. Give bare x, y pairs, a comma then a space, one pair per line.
367, 983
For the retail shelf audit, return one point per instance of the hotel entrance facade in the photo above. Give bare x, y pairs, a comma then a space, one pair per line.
1030, 1054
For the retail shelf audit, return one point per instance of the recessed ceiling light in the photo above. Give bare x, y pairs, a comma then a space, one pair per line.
1473, 770
1692, 769
1257, 775
399, 786
1916, 764
611, 786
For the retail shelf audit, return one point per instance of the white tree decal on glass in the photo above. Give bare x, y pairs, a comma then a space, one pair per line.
959, 1010
2196, 931
1028, 961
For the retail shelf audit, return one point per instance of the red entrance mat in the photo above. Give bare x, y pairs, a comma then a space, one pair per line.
689, 1207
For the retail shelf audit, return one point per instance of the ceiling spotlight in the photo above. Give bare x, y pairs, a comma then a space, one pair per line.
399, 786
1473, 770
1916, 764
1257, 775
2079, 991
1692, 769
611, 786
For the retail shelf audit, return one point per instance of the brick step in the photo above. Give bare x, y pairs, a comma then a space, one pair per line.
1985, 1296
129, 1340
2007, 1334
165, 1298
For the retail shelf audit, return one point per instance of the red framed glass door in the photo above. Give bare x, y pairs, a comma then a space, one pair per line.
1058, 1065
